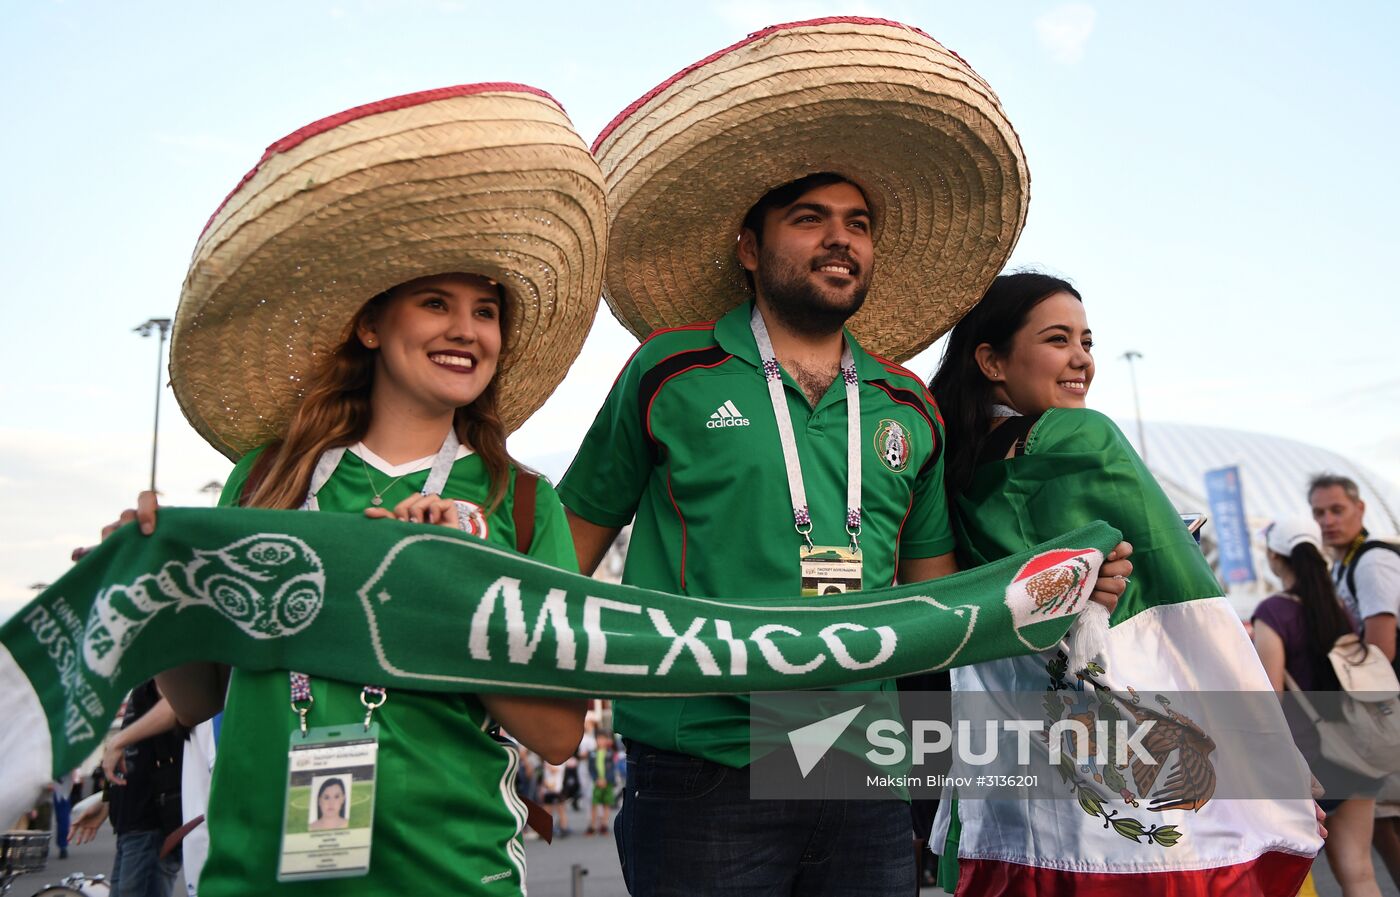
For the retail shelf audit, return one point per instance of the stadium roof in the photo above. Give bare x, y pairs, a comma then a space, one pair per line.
1274, 471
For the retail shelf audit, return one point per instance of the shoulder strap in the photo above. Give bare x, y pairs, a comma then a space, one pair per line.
257, 475
1308, 710
524, 510
1356, 559
999, 442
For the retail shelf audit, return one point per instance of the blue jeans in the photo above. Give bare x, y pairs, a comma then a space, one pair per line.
688, 827
62, 819
138, 870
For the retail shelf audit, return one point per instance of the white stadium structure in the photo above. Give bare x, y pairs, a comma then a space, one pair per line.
1274, 476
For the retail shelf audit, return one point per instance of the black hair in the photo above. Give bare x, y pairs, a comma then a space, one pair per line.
1324, 618
322, 790
962, 392
784, 195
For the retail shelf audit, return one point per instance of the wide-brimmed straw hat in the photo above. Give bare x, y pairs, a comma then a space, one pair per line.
486, 179
878, 102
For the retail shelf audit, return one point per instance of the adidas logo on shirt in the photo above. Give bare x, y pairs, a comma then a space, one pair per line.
727, 416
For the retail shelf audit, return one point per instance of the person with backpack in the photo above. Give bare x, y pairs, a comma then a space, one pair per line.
1294, 630
1366, 572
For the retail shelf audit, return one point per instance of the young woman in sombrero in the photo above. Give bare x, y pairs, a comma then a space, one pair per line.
381, 300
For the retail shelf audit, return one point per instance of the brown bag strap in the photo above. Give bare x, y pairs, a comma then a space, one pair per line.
524, 510
539, 819
173, 839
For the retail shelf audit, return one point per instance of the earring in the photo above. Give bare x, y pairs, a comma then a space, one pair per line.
369, 341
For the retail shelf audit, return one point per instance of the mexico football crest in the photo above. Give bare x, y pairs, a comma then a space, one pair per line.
892, 445
473, 518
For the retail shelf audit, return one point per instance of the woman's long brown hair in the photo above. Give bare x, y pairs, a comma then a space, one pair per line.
336, 412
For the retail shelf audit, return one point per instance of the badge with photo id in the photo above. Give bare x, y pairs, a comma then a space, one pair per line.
830, 570
329, 808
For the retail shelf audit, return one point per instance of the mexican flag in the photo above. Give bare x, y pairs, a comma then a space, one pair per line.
1176, 655
1047, 587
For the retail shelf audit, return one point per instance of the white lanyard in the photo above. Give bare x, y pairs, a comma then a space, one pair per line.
773, 374
437, 477
372, 696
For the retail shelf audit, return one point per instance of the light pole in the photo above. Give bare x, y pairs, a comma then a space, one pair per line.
1130, 356
163, 326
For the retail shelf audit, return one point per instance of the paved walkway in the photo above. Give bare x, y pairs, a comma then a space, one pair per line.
551, 868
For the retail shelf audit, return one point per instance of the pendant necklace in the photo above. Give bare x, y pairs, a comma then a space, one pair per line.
378, 493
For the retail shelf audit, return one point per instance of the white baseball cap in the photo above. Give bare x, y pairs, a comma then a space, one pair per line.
1286, 534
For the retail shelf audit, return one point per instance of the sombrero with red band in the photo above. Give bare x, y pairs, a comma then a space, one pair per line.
486, 179
879, 102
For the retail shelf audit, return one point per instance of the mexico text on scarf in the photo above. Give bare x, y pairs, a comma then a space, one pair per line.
427, 608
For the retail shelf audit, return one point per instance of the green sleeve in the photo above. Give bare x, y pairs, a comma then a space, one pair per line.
604, 484
233, 486
552, 544
927, 533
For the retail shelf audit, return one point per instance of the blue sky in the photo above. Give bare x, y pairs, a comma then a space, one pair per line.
1216, 178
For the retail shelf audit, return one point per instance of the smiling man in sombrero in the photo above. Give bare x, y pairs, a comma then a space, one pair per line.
813, 176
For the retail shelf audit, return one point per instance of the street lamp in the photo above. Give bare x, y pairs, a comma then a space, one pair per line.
213, 489
1130, 356
152, 326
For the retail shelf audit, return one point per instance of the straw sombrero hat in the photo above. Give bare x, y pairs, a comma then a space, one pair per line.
881, 103
486, 179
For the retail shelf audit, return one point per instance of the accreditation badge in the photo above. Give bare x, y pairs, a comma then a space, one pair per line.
830, 570
328, 816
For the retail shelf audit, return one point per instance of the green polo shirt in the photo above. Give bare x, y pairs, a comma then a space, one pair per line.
687, 442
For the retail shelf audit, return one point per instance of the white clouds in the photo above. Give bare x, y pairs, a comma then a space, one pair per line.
1064, 31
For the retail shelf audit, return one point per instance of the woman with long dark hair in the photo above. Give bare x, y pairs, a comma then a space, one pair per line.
1293, 632
1027, 460
331, 810
975, 401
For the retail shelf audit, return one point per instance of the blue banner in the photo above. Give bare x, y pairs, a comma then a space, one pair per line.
1231, 529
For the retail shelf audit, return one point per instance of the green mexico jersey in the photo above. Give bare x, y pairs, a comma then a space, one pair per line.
687, 441
447, 817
